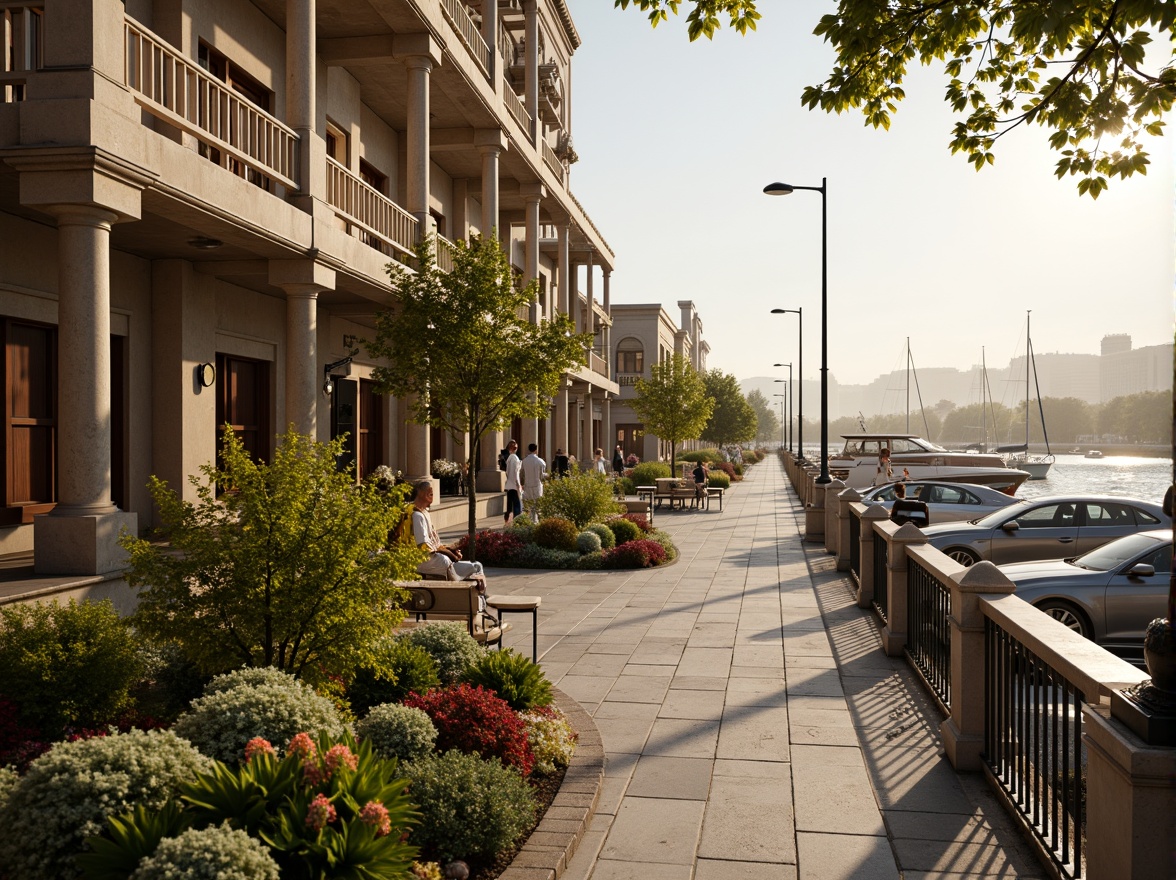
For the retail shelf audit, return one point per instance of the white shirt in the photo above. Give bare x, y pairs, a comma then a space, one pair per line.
600, 466
512, 472
534, 470
423, 531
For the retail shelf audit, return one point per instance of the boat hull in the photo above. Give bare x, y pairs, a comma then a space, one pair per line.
860, 473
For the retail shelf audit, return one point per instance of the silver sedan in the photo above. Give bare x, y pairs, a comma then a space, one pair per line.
946, 502
1053, 527
1108, 595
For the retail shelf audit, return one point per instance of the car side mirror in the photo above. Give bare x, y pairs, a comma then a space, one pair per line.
1011, 526
1143, 570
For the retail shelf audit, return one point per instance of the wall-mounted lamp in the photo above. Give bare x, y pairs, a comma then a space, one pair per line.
328, 385
205, 375
204, 243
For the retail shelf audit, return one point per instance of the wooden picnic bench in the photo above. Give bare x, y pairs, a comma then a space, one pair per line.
454, 600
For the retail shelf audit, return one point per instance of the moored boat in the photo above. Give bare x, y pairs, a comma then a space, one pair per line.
1094, 453
913, 458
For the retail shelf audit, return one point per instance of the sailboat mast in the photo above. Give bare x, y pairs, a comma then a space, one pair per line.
983, 415
1027, 312
908, 386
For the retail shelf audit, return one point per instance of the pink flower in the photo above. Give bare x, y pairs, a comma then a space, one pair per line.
313, 772
340, 756
320, 813
302, 745
376, 814
257, 746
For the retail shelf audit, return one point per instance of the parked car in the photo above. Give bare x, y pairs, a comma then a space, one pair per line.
1052, 527
1108, 595
946, 502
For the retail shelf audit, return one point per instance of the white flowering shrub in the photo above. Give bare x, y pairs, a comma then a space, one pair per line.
251, 676
449, 644
215, 853
220, 723
551, 737
8, 779
69, 792
588, 542
396, 731
607, 539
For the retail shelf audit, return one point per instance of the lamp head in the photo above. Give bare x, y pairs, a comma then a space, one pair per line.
779, 189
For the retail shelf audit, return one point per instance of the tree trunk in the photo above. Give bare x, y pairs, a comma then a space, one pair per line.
472, 495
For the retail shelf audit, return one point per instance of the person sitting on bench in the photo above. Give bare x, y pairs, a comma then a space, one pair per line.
443, 561
911, 511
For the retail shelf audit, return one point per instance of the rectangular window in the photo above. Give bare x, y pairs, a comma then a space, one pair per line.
630, 361
243, 401
30, 448
337, 143
373, 177
371, 428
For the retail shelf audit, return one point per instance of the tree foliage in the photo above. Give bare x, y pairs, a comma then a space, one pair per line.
767, 425
732, 419
673, 403
460, 342
1098, 75
283, 569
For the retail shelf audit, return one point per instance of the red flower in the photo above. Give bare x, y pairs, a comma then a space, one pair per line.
477, 721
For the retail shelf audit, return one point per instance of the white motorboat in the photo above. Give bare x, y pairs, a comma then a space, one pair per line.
913, 458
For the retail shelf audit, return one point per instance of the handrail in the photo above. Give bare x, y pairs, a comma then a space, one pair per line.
173, 88
445, 250
370, 210
515, 107
552, 160
456, 12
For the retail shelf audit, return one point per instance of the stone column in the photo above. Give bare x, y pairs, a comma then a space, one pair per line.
490, 35
80, 536
531, 78
561, 419
532, 193
844, 514
301, 88
417, 153
814, 516
490, 478
963, 730
491, 143
565, 268
832, 515
870, 581
606, 337
894, 633
302, 280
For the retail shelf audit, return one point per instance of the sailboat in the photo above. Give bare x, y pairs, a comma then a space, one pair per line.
1037, 466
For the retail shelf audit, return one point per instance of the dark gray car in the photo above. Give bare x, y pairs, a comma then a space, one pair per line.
1053, 527
946, 502
1109, 594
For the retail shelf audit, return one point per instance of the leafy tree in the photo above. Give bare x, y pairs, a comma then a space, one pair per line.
969, 424
1080, 70
673, 403
732, 420
767, 425
461, 343
283, 569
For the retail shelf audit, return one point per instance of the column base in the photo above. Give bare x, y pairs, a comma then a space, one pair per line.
962, 750
814, 524
491, 480
82, 545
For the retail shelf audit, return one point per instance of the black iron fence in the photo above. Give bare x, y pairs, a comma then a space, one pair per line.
855, 548
928, 640
1033, 745
881, 594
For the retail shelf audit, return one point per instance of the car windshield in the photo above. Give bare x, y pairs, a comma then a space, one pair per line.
1114, 554
998, 517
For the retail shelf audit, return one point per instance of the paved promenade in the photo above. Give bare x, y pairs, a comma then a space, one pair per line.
752, 725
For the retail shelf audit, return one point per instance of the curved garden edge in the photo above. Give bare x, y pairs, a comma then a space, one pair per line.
555, 839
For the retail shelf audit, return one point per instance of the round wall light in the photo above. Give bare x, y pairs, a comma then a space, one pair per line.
206, 375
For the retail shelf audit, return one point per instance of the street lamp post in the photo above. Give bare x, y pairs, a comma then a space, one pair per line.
799, 372
790, 384
783, 398
783, 189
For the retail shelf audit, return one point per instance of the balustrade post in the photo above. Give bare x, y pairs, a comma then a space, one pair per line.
870, 580
963, 730
894, 633
845, 498
833, 516
814, 512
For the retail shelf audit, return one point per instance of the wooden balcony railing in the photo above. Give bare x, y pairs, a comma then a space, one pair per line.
456, 12
551, 160
515, 107
381, 222
172, 88
21, 26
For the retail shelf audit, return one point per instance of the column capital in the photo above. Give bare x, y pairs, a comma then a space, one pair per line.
491, 139
417, 50
302, 276
54, 179
532, 192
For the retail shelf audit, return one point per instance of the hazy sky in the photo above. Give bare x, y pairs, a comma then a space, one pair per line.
677, 140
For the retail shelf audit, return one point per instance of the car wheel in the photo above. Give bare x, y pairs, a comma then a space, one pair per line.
963, 557
1069, 616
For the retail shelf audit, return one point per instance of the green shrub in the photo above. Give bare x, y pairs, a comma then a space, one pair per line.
400, 732
591, 561
581, 497
697, 455
513, 676
401, 668
170, 681
8, 780
647, 473
738, 469
534, 556
607, 539
221, 723
628, 486
214, 853
450, 645
551, 737
555, 533
666, 541
251, 676
521, 527
69, 792
624, 530
67, 665
470, 806
719, 479
587, 542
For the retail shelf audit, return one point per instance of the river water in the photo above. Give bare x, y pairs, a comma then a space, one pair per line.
1132, 476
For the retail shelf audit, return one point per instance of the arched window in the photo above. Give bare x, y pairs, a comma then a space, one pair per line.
630, 356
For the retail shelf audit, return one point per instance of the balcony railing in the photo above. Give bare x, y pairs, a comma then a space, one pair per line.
515, 107
22, 50
456, 12
172, 88
597, 364
552, 160
380, 221
444, 254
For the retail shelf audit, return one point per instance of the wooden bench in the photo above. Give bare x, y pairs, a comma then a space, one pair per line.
454, 600
715, 492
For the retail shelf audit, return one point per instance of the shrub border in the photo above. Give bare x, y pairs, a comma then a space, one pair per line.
557, 836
